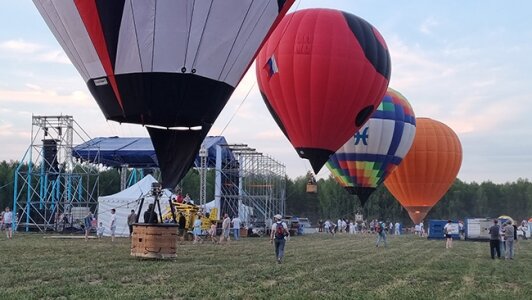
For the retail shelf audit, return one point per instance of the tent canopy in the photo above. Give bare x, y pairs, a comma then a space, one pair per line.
125, 201
138, 152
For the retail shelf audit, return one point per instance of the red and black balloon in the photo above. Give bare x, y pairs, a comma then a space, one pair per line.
322, 73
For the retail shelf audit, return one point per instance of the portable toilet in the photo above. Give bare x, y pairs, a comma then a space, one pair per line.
436, 229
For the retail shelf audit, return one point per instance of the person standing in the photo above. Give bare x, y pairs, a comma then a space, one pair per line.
278, 237
397, 228
181, 224
509, 239
381, 234
7, 222
100, 230
461, 229
197, 230
448, 236
502, 242
494, 239
88, 224
131, 219
236, 228
226, 228
112, 226
150, 217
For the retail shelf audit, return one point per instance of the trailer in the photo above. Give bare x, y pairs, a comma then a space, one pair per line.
436, 229
478, 229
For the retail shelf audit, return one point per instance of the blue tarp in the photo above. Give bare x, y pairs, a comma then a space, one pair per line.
138, 152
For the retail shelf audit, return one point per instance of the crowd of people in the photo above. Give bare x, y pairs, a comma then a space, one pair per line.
503, 237
358, 227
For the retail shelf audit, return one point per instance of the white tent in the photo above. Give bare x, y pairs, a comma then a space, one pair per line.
126, 200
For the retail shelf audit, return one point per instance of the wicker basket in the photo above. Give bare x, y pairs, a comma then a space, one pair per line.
156, 241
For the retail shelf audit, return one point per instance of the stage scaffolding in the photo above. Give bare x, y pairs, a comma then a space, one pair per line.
51, 190
251, 180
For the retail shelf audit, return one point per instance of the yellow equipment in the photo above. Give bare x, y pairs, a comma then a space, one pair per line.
191, 212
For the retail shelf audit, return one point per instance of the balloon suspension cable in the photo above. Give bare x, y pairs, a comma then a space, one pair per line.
238, 108
254, 83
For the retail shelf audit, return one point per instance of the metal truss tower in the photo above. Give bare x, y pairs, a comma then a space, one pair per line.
252, 180
203, 175
50, 188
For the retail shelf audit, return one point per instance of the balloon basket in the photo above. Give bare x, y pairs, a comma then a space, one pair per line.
154, 241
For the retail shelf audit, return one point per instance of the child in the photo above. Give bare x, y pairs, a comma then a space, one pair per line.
100, 230
212, 232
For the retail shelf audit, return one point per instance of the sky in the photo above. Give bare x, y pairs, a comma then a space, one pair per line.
465, 63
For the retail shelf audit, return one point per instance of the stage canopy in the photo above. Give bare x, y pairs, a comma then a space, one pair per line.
138, 152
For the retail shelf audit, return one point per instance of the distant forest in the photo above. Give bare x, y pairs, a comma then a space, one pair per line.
463, 200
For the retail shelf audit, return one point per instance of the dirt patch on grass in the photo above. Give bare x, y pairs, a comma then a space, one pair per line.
269, 283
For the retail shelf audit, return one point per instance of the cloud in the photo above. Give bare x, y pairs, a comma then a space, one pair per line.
428, 24
28, 51
54, 56
20, 47
34, 94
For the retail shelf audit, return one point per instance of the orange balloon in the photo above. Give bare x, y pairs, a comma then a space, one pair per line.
428, 170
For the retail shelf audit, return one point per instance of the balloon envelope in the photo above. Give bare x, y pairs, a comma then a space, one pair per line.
338, 174
322, 73
164, 64
428, 170
368, 157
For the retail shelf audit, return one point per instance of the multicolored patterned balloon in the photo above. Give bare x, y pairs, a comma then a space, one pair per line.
379, 146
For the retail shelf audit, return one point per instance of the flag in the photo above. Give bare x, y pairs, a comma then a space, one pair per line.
271, 66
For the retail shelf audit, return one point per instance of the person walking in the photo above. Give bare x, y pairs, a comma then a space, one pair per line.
88, 224
131, 219
7, 222
212, 232
278, 237
494, 240
236, 228
448, 236
112, 226
509, 239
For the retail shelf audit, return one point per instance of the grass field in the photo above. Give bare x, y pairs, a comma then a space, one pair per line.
316, 267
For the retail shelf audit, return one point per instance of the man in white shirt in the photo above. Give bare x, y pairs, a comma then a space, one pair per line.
397, 228
226, 227
113, 224
236, 228
278, 237
447, 231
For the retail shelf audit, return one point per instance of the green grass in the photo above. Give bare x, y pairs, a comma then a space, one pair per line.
316, 267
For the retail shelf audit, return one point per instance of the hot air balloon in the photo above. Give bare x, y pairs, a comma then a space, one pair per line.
321, 74
428, 170
339, 175
368, 157
168, 65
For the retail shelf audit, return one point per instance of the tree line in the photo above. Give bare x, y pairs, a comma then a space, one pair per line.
463, 200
